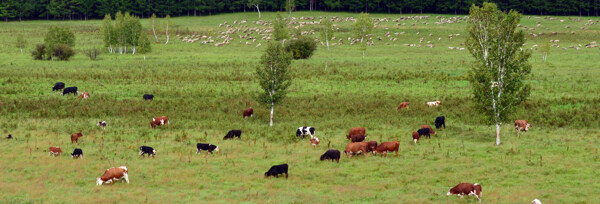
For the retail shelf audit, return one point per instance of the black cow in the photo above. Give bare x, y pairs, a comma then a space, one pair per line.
149, 151
148, 97
332, 154
439, 121
206, 147
233, 133
303, 131
77, 153
424, 131
276, 170
9, 136
58, 86
69, 90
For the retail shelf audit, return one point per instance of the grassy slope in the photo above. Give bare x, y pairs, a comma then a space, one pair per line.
203, 89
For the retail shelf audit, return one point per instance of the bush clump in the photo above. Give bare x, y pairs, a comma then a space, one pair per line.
62, 52
57, 45
39, 53
301, 48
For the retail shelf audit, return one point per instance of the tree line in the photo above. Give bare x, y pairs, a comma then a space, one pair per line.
96, 9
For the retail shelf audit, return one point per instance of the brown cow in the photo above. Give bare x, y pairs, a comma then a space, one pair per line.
415, 136
466, 189
357, 131
75, 137
84, 95
248, 112
428, 127
159, 121
357, 138
386, 147
521, 125
112, 174
54, 151
403, 105
314, 141
356, 148
372, 145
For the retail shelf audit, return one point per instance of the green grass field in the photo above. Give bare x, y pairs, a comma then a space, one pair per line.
203, 89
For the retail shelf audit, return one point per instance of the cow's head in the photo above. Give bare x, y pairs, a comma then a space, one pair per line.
99, 181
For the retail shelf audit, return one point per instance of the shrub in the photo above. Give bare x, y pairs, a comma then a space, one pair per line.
62, 52
92, 53
59, 35
301, 48
39, 53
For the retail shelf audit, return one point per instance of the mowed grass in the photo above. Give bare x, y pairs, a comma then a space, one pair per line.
203, 89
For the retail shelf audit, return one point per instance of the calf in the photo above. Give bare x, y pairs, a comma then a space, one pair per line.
54, 151
403, 105
84, 95
77, 153
276, 170
424, 131
356, 148
332, 154
430, 129
536, 201
233, 133
371, 145
162, 120
75, 137
206, 147
521, 125
148, 97
113, 174
466, 189
439, 121
69, 90
416, 136
303, 131
58, 86
433, 103
314, 141
101, 124
357, 138
386, 147
248, 112
149, 151
357, 131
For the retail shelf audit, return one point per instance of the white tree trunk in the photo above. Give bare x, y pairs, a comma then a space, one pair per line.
21, 50
154, 31
327, 39
257, 10
272, 106
497, 134
167, 33
144, 56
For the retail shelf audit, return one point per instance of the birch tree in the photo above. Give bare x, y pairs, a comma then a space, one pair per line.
280, 31
145, 46
107, 30
21, 42
273, 75
327, 31
289, 6
545, 48
255, 3
500, 64
362, 29
154, 23
167, 22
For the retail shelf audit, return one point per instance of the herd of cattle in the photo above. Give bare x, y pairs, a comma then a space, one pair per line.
356, 146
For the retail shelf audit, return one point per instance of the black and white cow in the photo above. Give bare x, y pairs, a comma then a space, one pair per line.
148, 97
69, 90
101, 124
439, 121
206, 147
276, 170
233, 133
303, 131
149, 151
58, 86
77, 153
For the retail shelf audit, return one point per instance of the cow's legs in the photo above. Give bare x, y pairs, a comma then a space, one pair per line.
286, 175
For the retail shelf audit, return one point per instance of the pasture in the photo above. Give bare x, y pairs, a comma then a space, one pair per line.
203, 89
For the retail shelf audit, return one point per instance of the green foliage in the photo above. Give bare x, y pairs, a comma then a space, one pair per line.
362, 29
59, 35
273, 75
280, 31
62, 52
327, 31
290, 5
108, 32
145, 45
21, 43
301, 48
92, 53
545, 48
123, 36
39, 53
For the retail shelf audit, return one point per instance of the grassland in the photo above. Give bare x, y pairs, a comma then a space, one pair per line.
203, 89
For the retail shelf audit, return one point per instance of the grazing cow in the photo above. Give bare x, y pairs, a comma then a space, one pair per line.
332, 154
371, 145
403, 105
439, 121
536, 201
357, 131
303, 131
58, 86
314, 141
386, 147
424, 131
248, 112
113, 174
77, 153
148, 97
75, 137
276, 170
206, 147
433, 103
521, 125
356, 148
430, 129
466, 189
101, 124
162, 120
54, 151
9, 137
69, 90
416, 136
84, 95
149, 151
233, 133
357, 138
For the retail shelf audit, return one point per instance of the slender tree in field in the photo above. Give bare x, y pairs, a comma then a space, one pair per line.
255, 3
289, 6
500, 64
362, 29
145, 46
167, 22
154, 23
273, 75
545, 48
280, 31
327, 31
21, 42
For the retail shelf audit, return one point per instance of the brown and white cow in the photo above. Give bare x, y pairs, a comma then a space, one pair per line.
521, 125
386, 147
314, 141
54, 151
357, 131
113, 174
248, 112
468, 189
84, 95
433, 103
428, 127
356, 148
159, 121
403, 105
416, 136
75, 137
